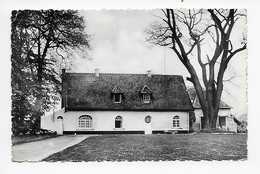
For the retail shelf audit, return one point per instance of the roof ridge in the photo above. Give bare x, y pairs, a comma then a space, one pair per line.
124, 74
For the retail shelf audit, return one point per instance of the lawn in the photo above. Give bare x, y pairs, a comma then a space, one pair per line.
156, 147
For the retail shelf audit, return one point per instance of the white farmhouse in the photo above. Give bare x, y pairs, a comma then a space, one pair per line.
95, 103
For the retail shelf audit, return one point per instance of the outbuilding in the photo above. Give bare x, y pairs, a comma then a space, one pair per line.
225, 120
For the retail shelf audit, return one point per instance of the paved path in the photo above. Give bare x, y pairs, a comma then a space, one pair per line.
36, 151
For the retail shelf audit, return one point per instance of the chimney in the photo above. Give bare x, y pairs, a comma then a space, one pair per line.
97, 72
149, 73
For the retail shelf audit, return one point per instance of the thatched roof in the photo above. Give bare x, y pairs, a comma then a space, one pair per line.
195, 100
85, 91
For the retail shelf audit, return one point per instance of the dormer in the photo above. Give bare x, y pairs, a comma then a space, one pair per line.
146, 93
117, 93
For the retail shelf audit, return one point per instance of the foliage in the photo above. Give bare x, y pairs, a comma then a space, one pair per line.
41, 41
27, 137
205, 36
243, 127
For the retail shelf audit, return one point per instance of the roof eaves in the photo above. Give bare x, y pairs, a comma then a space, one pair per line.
237, 121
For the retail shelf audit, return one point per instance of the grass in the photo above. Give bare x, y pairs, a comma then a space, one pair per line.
30, 138
155, 148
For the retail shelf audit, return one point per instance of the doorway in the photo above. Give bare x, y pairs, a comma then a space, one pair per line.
60, 125
148, 126
222, 122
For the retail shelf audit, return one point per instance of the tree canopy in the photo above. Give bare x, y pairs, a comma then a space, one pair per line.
42, 41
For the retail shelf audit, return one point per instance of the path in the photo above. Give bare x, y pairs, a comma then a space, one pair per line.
36, 151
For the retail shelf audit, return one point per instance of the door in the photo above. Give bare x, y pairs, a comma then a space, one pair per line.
148, 125
222, 122
60, 125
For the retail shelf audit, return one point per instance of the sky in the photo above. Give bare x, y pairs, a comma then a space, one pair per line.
119, 46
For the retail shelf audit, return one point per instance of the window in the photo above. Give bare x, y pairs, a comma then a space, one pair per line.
146, 98
176, 121
117, 94
117, 98
222, 121
85, 121
118, 122
146, 94
148, 119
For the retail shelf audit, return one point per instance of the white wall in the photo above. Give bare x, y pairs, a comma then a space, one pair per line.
231, 124
105, 120
49, 122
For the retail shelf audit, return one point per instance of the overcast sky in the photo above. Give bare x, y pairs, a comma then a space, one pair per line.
119, 46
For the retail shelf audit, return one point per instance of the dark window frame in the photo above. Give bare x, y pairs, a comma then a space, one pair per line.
176, 121
117, 98
118, 122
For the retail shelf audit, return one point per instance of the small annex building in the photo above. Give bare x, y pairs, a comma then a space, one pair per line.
225, 121
95, 103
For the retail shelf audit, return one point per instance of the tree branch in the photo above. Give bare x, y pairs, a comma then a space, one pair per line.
235, 52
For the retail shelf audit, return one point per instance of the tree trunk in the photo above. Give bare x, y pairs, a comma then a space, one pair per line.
38, 103
209, 121
37, 114
211, 112
214, 121
205, 123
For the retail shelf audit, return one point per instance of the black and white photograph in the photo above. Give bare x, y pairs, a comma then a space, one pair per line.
119, 85
103, 78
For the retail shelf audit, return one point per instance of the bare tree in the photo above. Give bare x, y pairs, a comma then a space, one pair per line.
185, 32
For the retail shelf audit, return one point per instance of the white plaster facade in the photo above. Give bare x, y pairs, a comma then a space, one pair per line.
105, 121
